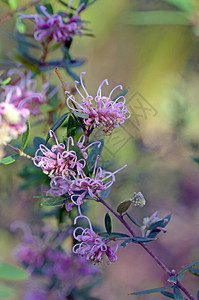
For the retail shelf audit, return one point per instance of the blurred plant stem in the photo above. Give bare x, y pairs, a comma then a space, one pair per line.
24, 7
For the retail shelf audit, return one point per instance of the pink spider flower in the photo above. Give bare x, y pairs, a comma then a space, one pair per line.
84, 148
59, 160
101, 110
92, 246
54, 27
24, 93
92, 185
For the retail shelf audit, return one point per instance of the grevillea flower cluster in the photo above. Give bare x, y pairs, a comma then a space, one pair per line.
55, 27
101, 110
66, 171
44, 253
17, 102
92, 246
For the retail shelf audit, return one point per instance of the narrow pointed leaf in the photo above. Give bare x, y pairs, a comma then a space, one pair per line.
8, 272
9, 159
140, 239
25, 137
57, 124
114, 235
81, 115
104, 194
96, 150
194, 271
56, 201
188, 267
156, 224
124, 206
177, 293
123, 244
132, 220
179, 277
151, 291
168, 294
172, 279
6, 81
108, 224
123, 93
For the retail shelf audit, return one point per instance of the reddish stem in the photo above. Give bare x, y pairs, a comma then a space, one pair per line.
161, 264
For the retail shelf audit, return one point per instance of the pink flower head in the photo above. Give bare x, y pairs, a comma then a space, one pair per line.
101, 110
54, 26
59, 160
92, 246
24, 94
12, 121
92, 185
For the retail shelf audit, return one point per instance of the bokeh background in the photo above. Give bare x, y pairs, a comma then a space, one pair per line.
156, 59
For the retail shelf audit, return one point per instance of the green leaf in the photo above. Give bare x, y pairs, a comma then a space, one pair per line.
179, 277
56, 201
104, 194
21, 38
196, 160
198, 295
6, 81
168, 294
81, 115
25, 136
156, 224
95, 151
57, 124
114, 235
38, 141
177, 293
185, 5
108, 224
123, 244
194, 271
9, 159
13, 4
144, 18
6, 291
173, 279
132, 220
8, 272
123, 206
71, 126
123, 93
151, 291
188, 267
140, 239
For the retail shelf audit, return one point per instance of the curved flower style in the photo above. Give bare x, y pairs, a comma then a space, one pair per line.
23, 94
92, 185
92, 246
59, 160
83, 148
54, 27
101, 110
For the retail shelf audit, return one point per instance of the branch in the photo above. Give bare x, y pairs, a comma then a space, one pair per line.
24, 7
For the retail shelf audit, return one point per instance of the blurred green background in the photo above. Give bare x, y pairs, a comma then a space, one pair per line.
159, 65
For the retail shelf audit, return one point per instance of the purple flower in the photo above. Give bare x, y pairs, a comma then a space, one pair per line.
24, 93
59, 160
92, 246
54, 27
101, 110
92, 185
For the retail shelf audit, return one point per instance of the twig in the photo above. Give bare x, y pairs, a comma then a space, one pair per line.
161, 264
20, 152
24, 7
